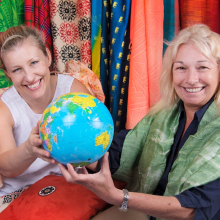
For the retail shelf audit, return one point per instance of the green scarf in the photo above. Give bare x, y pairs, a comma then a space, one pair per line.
147, 147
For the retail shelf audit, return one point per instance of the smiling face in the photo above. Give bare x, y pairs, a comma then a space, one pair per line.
195, 77
28, 69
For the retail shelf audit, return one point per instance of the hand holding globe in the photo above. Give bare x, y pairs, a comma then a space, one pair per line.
76, 128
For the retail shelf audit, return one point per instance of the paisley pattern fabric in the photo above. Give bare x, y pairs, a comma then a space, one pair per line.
147, 147
86, 77
71, 32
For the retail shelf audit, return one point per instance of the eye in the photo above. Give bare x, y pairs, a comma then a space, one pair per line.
180, 68
34, 62
16, 70
203, 67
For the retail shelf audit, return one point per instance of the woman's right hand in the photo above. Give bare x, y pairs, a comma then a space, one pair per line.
35, 148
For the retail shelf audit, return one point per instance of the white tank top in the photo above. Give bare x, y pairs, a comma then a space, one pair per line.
24, 120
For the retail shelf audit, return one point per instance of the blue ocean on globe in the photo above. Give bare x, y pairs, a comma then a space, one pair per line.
76, 128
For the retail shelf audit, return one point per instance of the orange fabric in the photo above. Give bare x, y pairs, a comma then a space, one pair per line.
200, 11
145, 59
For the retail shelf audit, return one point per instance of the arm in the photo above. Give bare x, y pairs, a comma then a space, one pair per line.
15, 160
77, 86
102, 185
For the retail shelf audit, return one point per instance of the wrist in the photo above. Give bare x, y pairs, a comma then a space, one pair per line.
118, 197
124, 205
28, 149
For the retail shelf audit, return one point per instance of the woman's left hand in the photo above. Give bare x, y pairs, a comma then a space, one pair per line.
100, 183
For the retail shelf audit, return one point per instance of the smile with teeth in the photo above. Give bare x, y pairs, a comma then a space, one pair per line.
194, 90
34, 85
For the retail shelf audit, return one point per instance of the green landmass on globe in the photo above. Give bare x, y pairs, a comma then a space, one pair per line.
86, 116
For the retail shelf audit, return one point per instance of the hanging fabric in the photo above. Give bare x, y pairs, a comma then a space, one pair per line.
115, 42
200, 11
171, 21
105, 50
37, 14
146, 58
71, 31
96, 35
11, 14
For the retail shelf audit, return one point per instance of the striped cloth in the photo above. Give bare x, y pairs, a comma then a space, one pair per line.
200, 11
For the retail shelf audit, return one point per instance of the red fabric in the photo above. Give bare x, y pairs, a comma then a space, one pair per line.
37, 14
200, 11
68, 201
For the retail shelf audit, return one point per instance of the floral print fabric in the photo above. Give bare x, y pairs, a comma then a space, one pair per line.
71, 32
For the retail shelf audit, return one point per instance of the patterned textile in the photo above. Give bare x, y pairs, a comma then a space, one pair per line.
115, 64
96, 35
147, 147
145, 59
11, 14
71, 31
37, 14
7, 199
105, 50
200, 11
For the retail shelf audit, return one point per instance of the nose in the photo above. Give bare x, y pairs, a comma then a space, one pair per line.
192, 77
29, 75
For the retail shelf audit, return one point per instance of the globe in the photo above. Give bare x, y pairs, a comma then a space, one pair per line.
76, 128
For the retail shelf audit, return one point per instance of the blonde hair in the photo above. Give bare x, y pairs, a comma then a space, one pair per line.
16, 35
207, 41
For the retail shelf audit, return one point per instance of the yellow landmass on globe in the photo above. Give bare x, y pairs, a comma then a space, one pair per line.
55, 138
54, 109
46, 111
103, 139
85, 101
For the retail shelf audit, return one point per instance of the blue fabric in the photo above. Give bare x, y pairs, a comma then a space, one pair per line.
119, 60
105, 53
169, 22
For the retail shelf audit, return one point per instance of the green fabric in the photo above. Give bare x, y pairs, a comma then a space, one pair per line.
147, 147
4, 82
11, 14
